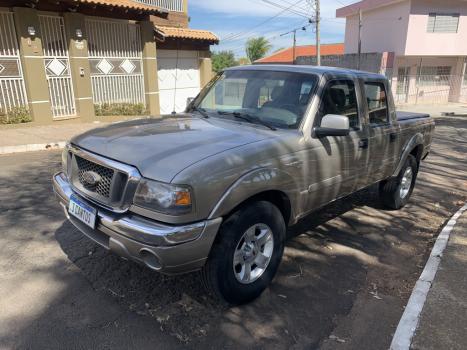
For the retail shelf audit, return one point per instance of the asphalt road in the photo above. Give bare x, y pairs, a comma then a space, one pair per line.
347, 273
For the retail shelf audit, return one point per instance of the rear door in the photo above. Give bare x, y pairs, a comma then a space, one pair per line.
383, 131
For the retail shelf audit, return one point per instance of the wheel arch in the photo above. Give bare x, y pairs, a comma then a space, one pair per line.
270, 185
413, 147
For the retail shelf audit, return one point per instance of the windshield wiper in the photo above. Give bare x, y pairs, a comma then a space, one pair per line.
248, 118
201, 111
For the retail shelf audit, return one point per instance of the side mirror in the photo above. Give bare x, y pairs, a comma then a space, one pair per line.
333, 125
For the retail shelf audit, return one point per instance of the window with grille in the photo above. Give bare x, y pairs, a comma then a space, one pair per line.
435, 70
443, 22
434, 75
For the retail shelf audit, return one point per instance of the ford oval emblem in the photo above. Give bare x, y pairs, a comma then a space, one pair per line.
91, 178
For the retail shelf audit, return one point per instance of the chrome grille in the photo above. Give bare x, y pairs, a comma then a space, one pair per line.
102, 181
103, 187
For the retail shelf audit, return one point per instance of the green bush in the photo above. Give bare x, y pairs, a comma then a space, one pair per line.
17, 115
108, 109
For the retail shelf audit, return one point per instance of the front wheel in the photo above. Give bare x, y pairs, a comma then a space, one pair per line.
396, 192
246, 254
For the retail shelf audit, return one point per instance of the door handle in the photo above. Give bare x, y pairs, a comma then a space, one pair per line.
363, 143
392, 136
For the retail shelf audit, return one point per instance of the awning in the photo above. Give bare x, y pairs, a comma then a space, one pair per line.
186, 33
125, 5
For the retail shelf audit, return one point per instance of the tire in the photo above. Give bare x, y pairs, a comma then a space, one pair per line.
395, 193
222, 275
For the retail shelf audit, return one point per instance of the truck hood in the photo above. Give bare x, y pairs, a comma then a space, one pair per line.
161, 148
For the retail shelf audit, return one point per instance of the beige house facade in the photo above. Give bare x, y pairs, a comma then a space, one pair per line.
88, 59
427, 39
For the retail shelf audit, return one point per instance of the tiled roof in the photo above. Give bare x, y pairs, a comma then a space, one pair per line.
125, 4
286, 55
186, 33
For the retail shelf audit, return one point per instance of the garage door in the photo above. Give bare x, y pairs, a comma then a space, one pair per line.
178, 78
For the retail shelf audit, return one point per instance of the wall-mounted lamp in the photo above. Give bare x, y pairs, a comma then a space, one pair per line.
79, 33
31, 31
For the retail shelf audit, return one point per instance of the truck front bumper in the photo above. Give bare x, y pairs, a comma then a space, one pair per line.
165, 248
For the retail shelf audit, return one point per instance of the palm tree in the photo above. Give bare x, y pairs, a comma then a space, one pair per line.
257, 48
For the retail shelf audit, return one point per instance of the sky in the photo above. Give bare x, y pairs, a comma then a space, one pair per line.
234, 21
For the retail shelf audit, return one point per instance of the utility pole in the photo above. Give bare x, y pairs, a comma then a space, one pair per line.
294, 41
294, 45
318, 34
359, 38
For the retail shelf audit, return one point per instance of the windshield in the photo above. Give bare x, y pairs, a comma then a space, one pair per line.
279, 99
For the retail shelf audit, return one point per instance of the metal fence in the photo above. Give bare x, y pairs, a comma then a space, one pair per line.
57, 66
115, 56
429, 89
12, 89
171, 5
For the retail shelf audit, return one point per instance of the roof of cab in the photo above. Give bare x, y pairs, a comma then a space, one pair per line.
319, 70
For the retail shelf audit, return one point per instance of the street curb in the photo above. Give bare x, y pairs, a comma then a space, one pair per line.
410, 319
32, 147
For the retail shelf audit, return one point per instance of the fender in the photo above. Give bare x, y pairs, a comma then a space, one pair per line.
255, 182
415, 141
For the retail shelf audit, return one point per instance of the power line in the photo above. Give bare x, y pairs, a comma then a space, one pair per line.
242, 47
237, 35
288, 9
340, 2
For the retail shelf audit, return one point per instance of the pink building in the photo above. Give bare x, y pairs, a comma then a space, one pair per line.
428, 39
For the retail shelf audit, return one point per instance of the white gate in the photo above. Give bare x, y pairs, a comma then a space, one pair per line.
57, 66
179, 79
115, 56
12, 90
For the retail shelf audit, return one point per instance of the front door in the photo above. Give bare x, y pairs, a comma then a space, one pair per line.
338, 160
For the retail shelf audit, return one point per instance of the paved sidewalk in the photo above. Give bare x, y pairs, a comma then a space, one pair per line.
26, 138
443, 323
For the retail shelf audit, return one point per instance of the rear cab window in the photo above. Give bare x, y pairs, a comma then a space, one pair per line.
377, 101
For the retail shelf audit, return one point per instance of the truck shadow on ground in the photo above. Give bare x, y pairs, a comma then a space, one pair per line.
325, 265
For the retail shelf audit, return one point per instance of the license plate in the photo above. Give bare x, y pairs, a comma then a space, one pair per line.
82, 211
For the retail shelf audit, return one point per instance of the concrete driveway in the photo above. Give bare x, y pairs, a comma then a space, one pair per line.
347, 273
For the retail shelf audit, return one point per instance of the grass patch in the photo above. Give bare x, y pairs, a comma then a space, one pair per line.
109, 109
17, 115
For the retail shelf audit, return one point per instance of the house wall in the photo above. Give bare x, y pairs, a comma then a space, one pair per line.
412, 88
93, 78
383, 29
173, 19
420, 42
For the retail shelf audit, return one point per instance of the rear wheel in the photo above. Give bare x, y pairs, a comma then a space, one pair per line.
246, 254
396, 192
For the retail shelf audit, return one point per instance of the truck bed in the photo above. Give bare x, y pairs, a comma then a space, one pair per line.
411, 115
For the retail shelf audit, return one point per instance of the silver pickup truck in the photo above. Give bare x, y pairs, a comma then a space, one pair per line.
215, 188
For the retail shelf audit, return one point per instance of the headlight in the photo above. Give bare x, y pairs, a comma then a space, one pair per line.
164, 198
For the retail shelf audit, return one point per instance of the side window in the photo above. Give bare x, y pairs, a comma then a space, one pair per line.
377, 103
340, 98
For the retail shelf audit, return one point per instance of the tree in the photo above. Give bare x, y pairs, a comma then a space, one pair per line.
222, 60
243, 61
257, 48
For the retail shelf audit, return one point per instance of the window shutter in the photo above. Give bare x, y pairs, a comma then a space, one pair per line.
443, 23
